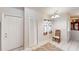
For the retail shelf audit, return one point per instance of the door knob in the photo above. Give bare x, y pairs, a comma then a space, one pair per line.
5, 35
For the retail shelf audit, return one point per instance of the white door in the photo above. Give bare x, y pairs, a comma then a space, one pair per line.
13, 32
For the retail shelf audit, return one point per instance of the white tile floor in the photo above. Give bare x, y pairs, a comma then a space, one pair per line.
72, 45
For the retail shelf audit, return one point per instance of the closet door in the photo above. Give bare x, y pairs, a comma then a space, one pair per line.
13, 32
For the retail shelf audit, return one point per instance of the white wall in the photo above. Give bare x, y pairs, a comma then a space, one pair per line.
26, 28
0, 35
0, 27
61, 23
74, 35
33, 26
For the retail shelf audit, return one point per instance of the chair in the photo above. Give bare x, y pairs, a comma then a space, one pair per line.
57, 36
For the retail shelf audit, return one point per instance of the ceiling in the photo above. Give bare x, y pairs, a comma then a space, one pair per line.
61, 10
64, 10
39, 9
21, 8
72, 11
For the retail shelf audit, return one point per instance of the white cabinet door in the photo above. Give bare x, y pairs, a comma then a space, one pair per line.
12, 32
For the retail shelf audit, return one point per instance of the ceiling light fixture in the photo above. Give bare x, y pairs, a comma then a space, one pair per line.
55, 15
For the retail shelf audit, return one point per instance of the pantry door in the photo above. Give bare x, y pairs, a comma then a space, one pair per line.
13, 32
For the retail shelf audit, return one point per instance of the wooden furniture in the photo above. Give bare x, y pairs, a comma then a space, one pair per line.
74, 21
57, 36
44, 33
75, 25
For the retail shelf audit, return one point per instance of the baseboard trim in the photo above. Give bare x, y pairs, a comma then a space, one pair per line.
28, 49
15, 48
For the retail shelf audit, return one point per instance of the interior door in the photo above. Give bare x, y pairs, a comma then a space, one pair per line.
13, 32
